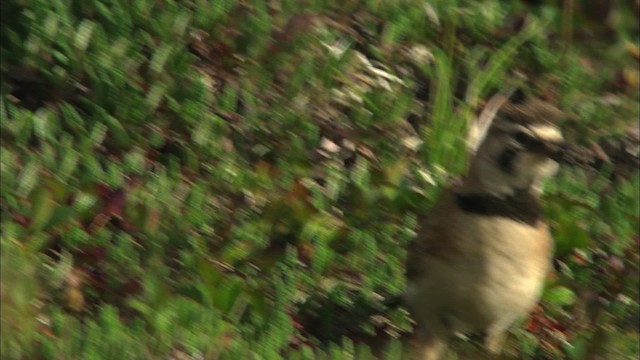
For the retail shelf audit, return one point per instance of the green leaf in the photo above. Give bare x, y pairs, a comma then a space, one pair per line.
155, 95
43, 206
28, 178
394, 350
98, 134
229, 294
560, 296
60, 216
118, 131
83, 34
160, 57
68, 164
570, 236
72, 118
41, 123
579, 347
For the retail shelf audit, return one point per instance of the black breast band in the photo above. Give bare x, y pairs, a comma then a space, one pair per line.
522, 206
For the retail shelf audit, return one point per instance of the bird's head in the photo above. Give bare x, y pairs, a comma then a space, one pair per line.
522, 147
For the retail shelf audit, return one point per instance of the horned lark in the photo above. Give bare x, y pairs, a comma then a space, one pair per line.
481, 256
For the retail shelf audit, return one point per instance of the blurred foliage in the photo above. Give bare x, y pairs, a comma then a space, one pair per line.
238, 179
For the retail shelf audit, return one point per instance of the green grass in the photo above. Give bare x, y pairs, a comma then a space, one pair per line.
239, 180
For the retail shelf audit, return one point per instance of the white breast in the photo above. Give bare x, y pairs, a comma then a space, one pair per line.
496, 275
512, 261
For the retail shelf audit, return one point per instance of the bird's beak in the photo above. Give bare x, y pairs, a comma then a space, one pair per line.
568, 154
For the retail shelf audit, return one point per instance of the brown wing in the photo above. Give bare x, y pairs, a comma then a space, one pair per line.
433, 239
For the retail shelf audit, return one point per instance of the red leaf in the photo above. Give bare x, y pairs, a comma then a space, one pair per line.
114, 203
22, 220
91, 254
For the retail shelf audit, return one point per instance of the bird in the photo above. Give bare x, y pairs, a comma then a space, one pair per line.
481, 255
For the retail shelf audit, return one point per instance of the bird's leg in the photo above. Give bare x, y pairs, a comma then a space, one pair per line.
432, 347
494, 341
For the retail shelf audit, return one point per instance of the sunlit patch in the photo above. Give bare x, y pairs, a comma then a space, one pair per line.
546, 132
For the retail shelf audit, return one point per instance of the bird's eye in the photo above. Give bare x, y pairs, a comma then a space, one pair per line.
524, 138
